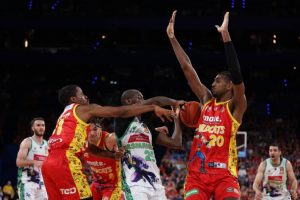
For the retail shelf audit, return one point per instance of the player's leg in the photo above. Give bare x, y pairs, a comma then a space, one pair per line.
139, 192
197, 187
227, 188
65, 177
158, 194
50, 185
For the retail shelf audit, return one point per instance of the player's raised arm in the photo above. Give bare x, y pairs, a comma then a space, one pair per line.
175, 141
238, 103
197, 87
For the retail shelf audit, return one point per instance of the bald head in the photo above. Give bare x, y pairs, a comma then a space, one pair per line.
131, 96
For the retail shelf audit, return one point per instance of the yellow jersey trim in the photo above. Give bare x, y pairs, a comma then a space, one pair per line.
77, 118
231, 116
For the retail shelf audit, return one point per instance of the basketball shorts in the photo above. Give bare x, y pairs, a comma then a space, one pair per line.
147, 193
204, 186
64, 178
106, 192
32, 191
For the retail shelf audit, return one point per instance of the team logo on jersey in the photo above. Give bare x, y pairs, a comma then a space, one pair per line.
191, 192
231, 189
281, 170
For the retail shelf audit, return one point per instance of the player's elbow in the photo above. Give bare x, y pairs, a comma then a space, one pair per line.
18, 162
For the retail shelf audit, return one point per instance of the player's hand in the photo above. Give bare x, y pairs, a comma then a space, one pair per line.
119, 152
170, 28
163, 130
164, 113
293, 194
224, 26
258, 195
111, 142
37, 164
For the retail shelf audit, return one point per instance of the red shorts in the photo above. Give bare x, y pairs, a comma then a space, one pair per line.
106, 192
64, 178
204, 186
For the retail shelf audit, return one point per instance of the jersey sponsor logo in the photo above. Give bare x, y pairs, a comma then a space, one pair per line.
231, 189
55, 140
105, 170
212, 119
212, 129
275, 178
39, 157
139, 145
95, 163
68, 191
191, 192
139, 138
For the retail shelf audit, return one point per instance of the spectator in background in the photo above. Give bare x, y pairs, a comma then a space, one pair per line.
8, 190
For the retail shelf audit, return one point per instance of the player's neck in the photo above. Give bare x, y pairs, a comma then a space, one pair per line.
224, 98
38, 139
276, 162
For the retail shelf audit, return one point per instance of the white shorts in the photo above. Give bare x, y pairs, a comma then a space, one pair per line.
147, 193
283, 197
32, 191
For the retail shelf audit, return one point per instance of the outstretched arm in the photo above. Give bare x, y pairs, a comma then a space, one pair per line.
258, 180
162, 101
197, 87
175, 141
85, 112
238, 103
292, 180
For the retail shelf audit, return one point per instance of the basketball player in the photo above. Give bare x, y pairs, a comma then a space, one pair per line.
33, 151
62, 170
137, 135
212, 167
273, 177
105, 166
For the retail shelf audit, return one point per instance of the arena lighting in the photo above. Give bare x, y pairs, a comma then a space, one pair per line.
232, 4
268, 109
96, 45
53, 7
294, 67
94, 80
190, 45
30, 4
103, 37
243, 4
285, 82
25, 43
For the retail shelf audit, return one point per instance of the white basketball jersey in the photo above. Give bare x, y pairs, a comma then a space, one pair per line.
36, 152
139, 163
275, 181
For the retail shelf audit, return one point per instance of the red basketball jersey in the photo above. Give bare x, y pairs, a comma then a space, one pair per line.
70, 132
214, 145
104, 169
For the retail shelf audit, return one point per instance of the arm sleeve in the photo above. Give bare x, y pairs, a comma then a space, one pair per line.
233, 63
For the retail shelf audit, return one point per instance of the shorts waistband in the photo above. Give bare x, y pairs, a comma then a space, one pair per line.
219, 165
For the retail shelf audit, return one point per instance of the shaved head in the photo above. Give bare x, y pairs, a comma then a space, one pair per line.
129, 96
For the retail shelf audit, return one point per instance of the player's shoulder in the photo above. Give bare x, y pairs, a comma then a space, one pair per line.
26, 142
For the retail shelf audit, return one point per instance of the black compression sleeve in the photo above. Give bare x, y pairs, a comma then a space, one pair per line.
233, 63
